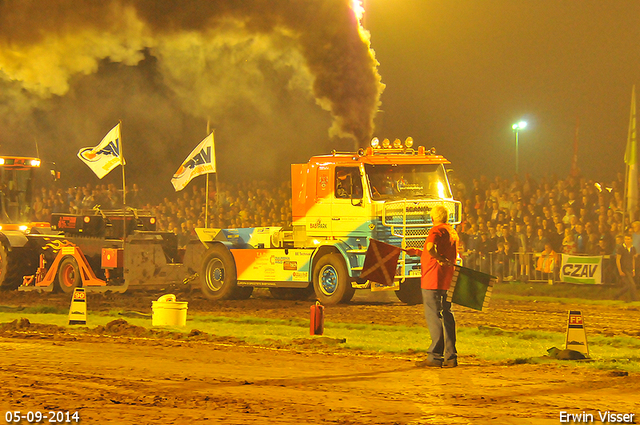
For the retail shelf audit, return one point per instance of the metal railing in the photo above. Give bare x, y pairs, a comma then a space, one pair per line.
529, 266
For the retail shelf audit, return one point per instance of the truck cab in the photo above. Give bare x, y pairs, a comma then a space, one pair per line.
384, 193
17, 175
16, 181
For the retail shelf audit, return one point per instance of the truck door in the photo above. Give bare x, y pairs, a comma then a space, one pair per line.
318, 217
348, 213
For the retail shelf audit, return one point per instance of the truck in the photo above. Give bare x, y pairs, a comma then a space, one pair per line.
122, 248
17, 174
340, 202
107, 250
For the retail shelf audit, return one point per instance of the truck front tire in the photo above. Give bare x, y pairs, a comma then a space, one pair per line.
218, 275
331, 280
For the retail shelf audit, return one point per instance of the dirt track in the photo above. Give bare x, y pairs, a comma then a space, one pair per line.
128, 380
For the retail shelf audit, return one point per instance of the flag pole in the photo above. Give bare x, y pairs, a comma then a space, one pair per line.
206, 190
624, 197
625, 201
215, 167
124, 190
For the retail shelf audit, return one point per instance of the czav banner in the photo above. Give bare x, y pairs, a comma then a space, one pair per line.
581, 269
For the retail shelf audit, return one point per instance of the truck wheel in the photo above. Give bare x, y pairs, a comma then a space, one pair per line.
331, 280
13, 267
4, 267
218, 277
410, 292
293, 294
68, 275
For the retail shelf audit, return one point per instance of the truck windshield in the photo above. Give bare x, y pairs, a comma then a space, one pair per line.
408, 181
15, 194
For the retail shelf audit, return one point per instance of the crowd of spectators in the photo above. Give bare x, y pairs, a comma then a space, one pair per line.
246, 204
516, 227
511, 227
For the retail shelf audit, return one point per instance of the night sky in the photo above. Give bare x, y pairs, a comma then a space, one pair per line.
460, 73
282, 83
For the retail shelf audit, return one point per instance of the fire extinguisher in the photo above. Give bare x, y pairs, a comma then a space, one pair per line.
317, 319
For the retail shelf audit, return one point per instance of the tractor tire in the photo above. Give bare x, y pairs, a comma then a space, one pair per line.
331, 280
13, 267
410, 292
4, 266
68, 275
218, 276
293, 294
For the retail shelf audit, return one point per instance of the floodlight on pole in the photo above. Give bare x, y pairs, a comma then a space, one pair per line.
516, 128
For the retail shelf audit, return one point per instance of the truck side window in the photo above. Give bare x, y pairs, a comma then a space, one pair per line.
348, 183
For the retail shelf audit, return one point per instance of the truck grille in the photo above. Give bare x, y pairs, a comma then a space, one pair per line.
408, 222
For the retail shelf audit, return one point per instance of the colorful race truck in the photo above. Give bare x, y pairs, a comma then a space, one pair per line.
339, 202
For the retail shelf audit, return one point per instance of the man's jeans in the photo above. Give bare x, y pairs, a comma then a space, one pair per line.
441, 324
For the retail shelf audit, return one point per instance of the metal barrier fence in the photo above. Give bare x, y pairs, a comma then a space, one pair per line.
530, 266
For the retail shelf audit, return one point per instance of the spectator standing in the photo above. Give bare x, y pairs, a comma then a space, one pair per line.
500, 262
546, 262
539, 241
569, 242
592, 247
626, 262
557, 237
607, 237
484, 253
635, 235
580, 238
520, 249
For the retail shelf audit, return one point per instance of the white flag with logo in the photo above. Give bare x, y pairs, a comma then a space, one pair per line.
201, 160
106, 156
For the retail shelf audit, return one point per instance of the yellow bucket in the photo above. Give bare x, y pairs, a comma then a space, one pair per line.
168, 312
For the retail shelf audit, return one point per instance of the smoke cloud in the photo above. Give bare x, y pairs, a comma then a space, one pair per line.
258, 69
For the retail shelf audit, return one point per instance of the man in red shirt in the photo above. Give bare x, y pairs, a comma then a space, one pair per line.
438, 258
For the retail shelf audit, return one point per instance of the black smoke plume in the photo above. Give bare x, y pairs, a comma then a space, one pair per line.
69, 70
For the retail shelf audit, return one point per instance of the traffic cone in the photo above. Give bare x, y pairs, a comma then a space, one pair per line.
576, 334
78, 310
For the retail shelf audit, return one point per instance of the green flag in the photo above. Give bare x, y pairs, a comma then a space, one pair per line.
471, 288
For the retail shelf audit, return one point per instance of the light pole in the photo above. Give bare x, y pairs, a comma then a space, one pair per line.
516, 128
